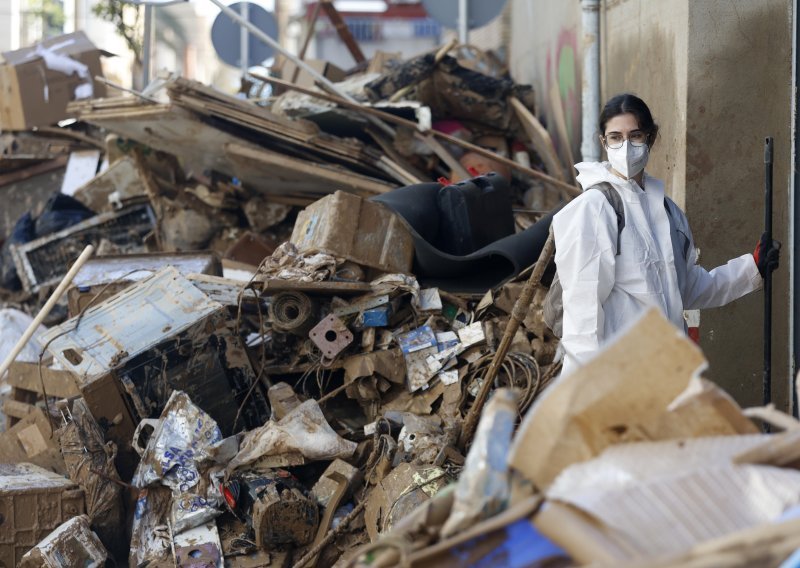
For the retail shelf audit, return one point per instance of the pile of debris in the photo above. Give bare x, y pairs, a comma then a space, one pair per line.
281, 350
633, 460
272, 345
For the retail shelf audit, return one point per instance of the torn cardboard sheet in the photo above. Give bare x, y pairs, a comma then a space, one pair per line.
672, 513
304, 430
618, 397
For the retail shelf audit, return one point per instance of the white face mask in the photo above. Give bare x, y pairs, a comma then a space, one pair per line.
628, 160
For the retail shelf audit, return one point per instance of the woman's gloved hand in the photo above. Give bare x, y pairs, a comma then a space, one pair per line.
767, 255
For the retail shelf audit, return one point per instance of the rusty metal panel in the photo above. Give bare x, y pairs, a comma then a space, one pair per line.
162, 334
45, 261
127, 324
107, 275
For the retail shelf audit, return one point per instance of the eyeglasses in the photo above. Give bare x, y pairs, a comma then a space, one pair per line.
615, 139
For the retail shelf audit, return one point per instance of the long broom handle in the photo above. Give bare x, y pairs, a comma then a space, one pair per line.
767, 385
518, 315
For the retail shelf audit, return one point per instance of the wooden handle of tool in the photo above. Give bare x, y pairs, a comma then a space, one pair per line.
54, 297
518, 315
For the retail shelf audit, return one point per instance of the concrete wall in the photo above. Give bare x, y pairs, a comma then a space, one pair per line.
717, 76
544, 51
644, 51
740, 91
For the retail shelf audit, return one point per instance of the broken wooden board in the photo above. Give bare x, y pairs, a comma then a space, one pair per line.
57, 383
540, 139
202, 147
328, 288
287, 168
31, 441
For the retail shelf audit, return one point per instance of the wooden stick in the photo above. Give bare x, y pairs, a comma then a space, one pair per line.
55, 297
539, 137
518, 314
307, 39
565, 188
344, 32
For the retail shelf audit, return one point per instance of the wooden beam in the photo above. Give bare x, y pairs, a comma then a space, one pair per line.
307, 39
343, 31
566, 189
336, 177
31, 171
539, 137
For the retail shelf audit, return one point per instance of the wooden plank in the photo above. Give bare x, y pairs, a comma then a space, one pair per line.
57, 383
272, 285
202, 147
569, 191
32, 171
282, 164
344, 32
17, 409
539, 137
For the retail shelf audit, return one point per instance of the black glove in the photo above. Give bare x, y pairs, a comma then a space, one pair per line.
766, 257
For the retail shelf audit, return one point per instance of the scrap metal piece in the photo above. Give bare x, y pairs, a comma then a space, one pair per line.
71, 544
331, 336
276, 508
199, 547
292, 312
45, 260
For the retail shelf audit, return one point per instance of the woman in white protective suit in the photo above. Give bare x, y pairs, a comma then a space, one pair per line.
609, 275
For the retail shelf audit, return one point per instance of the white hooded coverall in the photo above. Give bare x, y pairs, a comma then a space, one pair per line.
603, 291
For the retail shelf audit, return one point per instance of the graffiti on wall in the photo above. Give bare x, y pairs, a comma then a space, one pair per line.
562, 70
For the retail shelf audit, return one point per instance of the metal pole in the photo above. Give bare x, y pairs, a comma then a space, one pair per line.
590, 22
244, 39
321, 79
147, 47
768, 153
463, 21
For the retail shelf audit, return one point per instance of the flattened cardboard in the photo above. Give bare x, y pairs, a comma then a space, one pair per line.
30, 440
617, 397
661, 498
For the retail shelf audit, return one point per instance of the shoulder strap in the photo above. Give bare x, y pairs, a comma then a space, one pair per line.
670, 216
614, 199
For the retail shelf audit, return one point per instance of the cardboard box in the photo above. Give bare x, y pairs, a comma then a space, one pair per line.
37, 82
304, 79
362, 231
33, 502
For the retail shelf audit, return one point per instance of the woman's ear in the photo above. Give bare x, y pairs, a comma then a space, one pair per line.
653, 136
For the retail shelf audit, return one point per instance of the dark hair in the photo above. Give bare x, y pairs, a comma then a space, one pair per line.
629, 103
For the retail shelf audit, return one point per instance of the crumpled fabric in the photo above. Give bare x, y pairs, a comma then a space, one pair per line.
303, 431
287, 263
604, 291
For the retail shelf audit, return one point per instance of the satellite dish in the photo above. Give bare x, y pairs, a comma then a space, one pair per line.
226, 34
479, 12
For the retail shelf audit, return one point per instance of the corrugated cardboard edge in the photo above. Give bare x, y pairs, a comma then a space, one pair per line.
607, 401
